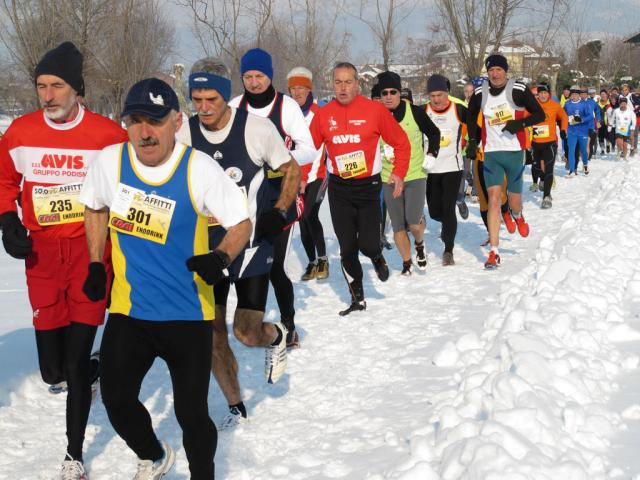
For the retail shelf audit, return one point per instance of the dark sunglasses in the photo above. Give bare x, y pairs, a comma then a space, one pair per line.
385, 93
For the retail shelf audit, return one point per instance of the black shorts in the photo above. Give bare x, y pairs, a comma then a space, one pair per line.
624, 138
252, 292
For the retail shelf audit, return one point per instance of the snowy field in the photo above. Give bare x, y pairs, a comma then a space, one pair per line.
527, 372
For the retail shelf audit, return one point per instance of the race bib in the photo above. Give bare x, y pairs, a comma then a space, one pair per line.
274, 174
145, 216
541, 131
500, 114
446, 135
351, 164
623, 130
388, 152
57, 204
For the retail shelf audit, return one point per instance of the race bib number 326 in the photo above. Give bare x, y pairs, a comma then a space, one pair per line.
57, 204
142, 215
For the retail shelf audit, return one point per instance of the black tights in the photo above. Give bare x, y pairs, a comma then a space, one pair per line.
311, 232
129, 348
442, 192
63, 354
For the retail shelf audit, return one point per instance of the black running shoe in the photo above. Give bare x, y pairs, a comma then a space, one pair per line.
354, 307
380, 265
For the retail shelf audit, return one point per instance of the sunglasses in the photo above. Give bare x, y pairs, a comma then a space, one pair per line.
385, 93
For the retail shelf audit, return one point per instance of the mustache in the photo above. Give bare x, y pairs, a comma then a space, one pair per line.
147, 142
49, 104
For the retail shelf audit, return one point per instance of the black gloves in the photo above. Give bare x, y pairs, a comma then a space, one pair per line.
95, 286
14, 236
270, 224
513, 126
472, 149
209, 266
563, 135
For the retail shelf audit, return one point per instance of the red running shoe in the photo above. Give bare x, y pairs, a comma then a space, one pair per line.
508, 221
493, 261
523, 226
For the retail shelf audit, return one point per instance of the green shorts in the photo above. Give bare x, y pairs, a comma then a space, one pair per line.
499, 164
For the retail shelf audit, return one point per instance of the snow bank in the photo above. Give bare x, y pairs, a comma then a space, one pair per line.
530, 397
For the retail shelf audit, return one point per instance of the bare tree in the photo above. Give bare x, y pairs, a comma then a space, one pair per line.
122, 40
387, 16
475, 27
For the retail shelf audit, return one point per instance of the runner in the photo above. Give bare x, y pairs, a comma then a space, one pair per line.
545, 142
445, 171
350, 126
406, 210
603, 131
260, 98
634, 104
313, 181
594, 125
47, 153
579, 114
243, 144
154, 195
503, 103
623, 123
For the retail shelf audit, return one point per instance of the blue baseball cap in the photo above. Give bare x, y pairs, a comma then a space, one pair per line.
151, 97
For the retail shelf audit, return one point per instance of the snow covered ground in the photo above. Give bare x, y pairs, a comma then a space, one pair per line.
527, 372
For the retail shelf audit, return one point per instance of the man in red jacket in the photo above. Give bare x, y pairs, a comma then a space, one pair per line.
47, 153
350, 126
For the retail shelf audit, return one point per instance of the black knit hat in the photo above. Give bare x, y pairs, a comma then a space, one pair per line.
437, 83
64, 61
375, 91
496, 60
389, 80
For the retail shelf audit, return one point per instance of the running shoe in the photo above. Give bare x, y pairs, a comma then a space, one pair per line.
310, 273
523, 226
421, 257
384, 243
381, 268
275, 360
323, 269
508, 221
406, 269
356, 306
493, 261
546, 203
447, 259
232, 419
463, 209
72, 469
534, 187
150, 470
586, 170
57, 388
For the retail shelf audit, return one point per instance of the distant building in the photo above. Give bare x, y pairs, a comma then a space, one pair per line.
634, 54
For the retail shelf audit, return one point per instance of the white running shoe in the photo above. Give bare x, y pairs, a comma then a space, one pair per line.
275, 360
72, 470
149, 470
232, 419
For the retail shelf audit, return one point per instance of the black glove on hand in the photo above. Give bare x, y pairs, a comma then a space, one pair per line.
209, 266
270, 224
95, 286
513, 126
472, 149
14, 236
563, 135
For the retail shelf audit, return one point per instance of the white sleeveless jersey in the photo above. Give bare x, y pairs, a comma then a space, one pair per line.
449, 157
497, 111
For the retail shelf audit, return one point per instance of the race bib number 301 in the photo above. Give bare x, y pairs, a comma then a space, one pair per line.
57, 204
351, 164
142, 215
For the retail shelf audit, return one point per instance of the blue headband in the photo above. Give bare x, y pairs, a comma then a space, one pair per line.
210, 80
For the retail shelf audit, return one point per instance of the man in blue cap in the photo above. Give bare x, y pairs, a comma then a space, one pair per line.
260, 98
154, 195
